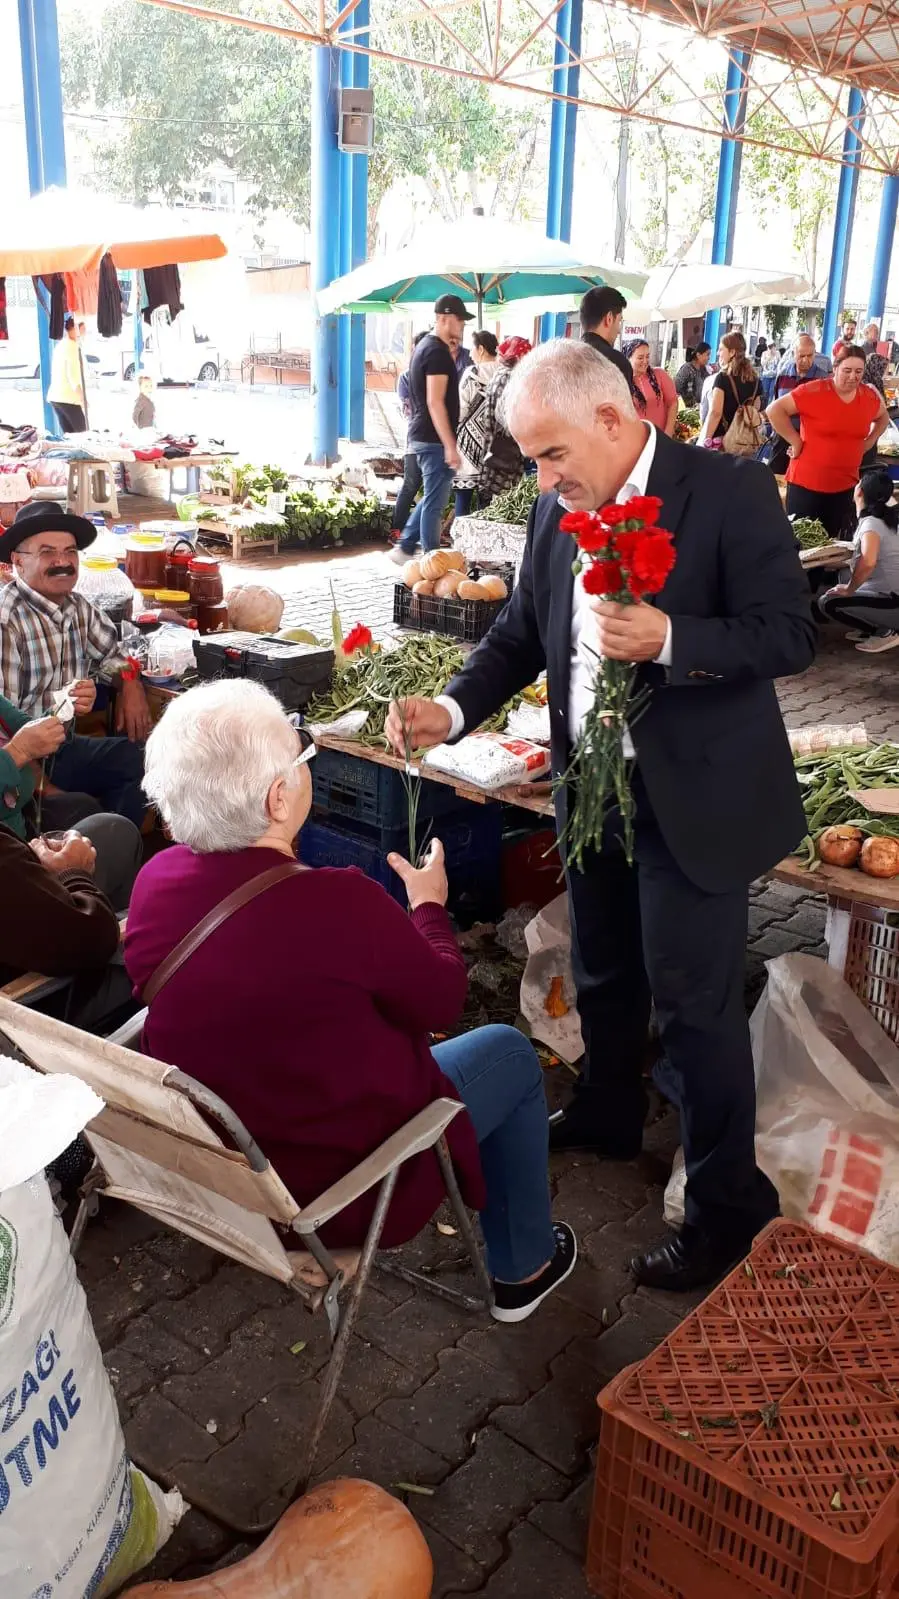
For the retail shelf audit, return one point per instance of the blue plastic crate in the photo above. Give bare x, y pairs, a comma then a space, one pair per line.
372, 797
473, 857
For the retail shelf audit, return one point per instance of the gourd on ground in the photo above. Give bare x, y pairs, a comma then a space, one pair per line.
346, 1539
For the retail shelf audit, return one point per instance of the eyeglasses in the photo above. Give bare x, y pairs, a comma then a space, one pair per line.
307, 742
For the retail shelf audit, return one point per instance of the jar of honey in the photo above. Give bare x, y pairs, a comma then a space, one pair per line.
177, 565
176, 600
145, 560
212, 618
205, 581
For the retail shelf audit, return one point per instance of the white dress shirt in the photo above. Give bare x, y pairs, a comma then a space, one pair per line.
584, 652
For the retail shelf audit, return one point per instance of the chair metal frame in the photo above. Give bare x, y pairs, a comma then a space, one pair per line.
380, 1169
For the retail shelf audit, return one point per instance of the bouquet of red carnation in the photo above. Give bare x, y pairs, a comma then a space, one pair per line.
622, 556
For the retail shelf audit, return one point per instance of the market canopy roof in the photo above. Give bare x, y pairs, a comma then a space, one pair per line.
70, 230
487, 261
689, 289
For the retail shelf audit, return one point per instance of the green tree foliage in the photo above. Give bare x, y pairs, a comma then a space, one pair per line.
181, 96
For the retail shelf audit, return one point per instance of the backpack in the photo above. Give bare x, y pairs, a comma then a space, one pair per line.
746, 433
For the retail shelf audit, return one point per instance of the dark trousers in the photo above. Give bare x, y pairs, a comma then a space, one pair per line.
870, 613
410, 487
646, 932
835, 511
71, 417
110, 770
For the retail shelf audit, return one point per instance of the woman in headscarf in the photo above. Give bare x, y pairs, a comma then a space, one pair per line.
472, 387
503, 463
654, 393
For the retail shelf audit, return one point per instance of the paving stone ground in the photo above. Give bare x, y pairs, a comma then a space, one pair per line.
498, 1421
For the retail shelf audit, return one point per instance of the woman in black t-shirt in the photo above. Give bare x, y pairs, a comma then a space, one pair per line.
736, 384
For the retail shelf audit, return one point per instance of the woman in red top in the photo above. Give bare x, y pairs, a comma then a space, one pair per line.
309, 1009
840, 417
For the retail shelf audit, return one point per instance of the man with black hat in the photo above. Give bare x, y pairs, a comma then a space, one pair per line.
434, 399
52, 639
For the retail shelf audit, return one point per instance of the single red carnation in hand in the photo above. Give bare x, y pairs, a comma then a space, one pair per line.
644, 508
650, 564
603, 577
358, 638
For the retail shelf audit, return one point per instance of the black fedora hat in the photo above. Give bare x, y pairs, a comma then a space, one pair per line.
45, 516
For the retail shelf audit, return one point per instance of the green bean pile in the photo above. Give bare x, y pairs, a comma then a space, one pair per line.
515, 504
826, 781
423, 664
810, 534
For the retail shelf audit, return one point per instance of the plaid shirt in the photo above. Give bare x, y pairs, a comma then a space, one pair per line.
44, 646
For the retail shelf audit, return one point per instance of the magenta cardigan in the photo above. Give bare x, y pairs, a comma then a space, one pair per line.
308, 1011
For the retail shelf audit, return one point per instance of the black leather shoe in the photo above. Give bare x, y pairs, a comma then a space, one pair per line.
574, 1130
688, 1260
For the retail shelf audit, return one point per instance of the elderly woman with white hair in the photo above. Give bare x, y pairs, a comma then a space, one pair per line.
309, 1005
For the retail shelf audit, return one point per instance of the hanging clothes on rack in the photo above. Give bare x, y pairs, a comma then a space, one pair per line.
54, 284
82, 292
109, 301
162, 286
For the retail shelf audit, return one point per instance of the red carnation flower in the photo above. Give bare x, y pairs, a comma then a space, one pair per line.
576, 522
358, 638
603, 577
644, 508
650, 564
614, 515
626, 544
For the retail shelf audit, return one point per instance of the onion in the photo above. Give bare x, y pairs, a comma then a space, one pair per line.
880, 857
840, 846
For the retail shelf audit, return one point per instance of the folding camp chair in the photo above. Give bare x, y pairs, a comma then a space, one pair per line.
157, 1147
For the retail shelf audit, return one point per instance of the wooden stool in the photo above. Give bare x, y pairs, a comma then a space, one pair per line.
92, 488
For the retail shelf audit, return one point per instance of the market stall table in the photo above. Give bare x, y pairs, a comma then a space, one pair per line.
536, 797
192, 465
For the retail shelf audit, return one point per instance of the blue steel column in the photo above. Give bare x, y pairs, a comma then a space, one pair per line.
44, 135
354, 74
883, 249
361, 72
844, 217
563, 137
730, 162
325, 245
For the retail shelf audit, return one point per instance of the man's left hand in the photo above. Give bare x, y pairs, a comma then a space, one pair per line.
629, 632
83, 693
133, 712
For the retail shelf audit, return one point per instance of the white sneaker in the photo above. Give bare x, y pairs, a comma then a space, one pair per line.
855, 635
880, 641
398, 556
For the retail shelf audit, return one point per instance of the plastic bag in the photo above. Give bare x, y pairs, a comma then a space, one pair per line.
548, 998
491, 760
76, 1519
827, 1123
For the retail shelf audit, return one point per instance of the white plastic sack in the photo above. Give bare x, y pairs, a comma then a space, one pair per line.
548, 998
76, 1519
827, 1125
491, 760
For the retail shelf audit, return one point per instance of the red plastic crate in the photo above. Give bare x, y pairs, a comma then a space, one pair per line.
755, 1453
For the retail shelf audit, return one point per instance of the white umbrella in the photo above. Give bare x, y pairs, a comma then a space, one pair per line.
490, 263
69, 230
692, 288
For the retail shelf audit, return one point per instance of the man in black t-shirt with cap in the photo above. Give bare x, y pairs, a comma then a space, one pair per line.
434, 401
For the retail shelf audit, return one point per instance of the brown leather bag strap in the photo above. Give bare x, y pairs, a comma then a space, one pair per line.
219, 913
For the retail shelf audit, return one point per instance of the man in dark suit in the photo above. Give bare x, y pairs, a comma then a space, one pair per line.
602, 318
717, 799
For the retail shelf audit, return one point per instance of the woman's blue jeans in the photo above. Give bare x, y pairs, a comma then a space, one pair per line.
499, 1079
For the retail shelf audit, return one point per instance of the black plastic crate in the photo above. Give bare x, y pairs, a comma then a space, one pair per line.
473, 857
293, 672
362, 794
466, 620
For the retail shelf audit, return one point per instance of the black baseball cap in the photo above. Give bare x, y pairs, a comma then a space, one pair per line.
451, 305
